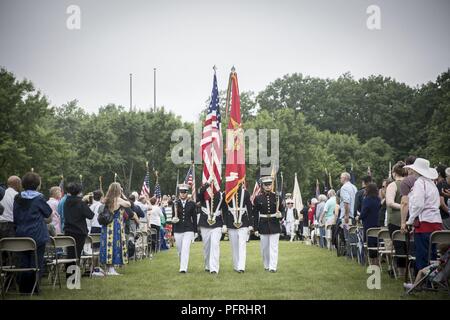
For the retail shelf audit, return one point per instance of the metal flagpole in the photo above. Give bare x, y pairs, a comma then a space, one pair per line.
154, 89
131, 92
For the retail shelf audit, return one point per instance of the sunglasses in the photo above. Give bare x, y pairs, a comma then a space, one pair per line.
267, 184
183, 191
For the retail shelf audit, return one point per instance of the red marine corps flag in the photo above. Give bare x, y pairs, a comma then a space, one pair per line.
235, 147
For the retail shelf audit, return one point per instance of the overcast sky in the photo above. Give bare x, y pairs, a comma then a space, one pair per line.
183, 39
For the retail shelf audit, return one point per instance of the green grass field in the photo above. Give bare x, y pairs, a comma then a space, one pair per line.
304, 272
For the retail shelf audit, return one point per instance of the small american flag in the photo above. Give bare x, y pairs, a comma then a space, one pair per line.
157, 191
146, 185
256, 191
189, 180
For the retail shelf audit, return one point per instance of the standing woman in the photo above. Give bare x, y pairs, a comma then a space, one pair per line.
30, 212
424, 214
370, 217
393, 205
76, 211
113, 243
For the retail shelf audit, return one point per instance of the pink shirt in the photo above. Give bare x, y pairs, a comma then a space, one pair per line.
424, 202
56, 219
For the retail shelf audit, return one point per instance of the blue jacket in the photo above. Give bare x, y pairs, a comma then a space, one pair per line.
29, 210
369, 212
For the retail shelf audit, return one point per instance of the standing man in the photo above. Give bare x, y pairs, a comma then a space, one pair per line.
268, 208
6, 219
290, 219
184, 225
239, 222
211, 226
347, 204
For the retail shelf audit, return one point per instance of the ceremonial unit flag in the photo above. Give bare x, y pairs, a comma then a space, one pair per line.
235, 160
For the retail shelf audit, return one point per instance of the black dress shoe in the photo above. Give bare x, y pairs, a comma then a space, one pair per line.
241, 271
273, 271
182, 271
213, 272
266, 269
206, 270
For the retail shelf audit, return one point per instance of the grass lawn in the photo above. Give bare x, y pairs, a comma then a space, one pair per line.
304, 272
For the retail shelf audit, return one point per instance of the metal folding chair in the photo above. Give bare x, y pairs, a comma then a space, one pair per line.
370, 233
382, 239
154, 232
438, 237
353, 241
61, 242
17, 245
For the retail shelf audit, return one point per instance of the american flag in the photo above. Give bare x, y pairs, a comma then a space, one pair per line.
211, 143
157, 190
256, 191
190, 180
317, 188
146, 185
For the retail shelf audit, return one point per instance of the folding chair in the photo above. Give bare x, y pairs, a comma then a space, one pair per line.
17, 245
328, 236
401, 237
353, 240
370, 233
91, 240
154, 232
383, 237
62, 242
438, 237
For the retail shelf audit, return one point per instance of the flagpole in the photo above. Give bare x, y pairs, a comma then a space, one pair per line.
178, 181
154, 89
131, 92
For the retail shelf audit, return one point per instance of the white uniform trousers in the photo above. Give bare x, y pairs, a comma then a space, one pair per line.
238, 241
269, 250
290, 227
211, 247
183, 243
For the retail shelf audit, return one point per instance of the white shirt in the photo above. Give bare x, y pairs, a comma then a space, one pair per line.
8, 203
144, 208
424, 202
94, 221
290, 215
155, 217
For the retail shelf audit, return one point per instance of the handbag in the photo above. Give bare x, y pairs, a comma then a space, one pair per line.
105, 216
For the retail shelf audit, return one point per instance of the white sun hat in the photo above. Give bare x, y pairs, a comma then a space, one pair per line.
422, 167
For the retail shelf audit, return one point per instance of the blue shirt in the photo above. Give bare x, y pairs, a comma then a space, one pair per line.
347, 195
61, 210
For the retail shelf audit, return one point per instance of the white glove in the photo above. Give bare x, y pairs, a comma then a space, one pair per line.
224, 229
250, 228
296, 222
175, 220
278, 215
195, 235
257, 234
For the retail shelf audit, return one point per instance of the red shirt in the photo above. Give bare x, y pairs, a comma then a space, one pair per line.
311, 212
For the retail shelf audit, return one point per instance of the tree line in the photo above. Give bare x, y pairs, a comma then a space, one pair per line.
325, 125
